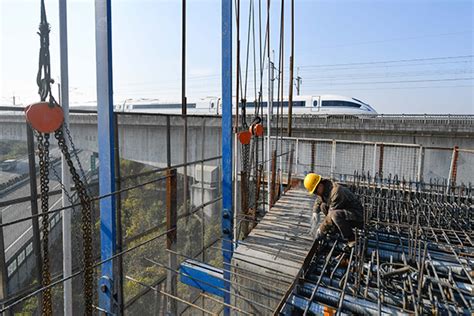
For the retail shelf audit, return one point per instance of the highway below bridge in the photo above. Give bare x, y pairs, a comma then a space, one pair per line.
18, 244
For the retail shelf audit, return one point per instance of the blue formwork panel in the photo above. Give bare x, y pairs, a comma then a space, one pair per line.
202, 276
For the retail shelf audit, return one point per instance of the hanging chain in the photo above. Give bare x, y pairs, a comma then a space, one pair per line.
43, 78
86, 223
43, 153
74, 152
44, 81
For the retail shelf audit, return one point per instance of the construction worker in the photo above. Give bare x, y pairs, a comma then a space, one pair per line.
342, 208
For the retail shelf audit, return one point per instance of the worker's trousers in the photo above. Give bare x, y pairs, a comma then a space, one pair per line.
340, 219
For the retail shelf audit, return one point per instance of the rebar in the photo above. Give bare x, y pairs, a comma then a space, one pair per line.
415, 254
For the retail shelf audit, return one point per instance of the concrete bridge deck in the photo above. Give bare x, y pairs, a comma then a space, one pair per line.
134, 128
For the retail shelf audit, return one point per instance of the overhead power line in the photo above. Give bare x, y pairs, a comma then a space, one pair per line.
389, 61
402, 81
399, 88
387, 75
305, 68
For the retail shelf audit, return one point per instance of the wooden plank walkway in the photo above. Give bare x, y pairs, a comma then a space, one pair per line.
268, 260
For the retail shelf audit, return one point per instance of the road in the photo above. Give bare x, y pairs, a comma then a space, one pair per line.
15, 236
21, 168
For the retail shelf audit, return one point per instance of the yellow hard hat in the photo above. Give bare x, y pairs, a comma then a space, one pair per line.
311, 181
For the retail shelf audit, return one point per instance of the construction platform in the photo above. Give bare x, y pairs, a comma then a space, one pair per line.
266, 263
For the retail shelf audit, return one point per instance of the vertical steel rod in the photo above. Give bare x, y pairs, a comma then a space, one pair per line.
273, 176
374, 164
184, 108
171, 241
269, 103
453, 169
65, 175
333, 159
236, 122
269, 124
168, 142
3, 268
381, 160
290, 168
290, 91
203, 147
297, 161
419, 173
120, 275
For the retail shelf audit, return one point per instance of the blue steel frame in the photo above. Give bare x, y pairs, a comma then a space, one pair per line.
227, 206
106, 148
105, 117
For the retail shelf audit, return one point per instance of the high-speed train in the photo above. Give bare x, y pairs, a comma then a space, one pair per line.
302, 105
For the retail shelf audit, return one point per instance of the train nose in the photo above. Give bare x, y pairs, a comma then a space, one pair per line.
368, 108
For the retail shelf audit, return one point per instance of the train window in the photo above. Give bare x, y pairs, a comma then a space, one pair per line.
315, 103
295, 103
252, 104
335, 103
299, 103
154, 106
359, 101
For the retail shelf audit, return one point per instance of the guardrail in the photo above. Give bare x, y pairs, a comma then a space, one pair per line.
392, 116
339, 159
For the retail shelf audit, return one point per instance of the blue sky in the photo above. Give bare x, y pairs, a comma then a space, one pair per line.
426, 48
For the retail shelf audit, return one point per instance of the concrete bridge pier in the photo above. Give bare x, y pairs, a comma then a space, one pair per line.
205, 188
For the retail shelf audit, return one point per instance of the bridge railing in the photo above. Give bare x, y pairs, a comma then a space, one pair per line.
342, 159
403, 117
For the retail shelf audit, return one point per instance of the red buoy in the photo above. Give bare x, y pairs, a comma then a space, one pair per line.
43, 117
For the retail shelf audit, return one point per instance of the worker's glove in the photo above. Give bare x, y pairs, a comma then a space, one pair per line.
319, 206
323, 208
319, 235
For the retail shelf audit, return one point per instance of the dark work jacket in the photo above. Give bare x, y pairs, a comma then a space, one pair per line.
339, 197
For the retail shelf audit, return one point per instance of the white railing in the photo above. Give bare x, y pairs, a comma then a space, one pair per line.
340, 159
